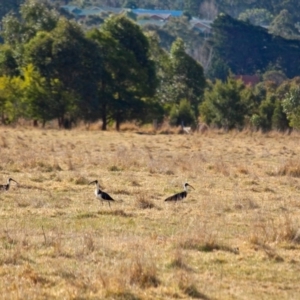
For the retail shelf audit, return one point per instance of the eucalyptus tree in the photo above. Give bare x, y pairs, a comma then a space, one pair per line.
36, 96
227, 104
39, 15
134, 77
70, 62
188, 80
10, 94
34, 16
162, 99
77, 63
111, 56
181, 78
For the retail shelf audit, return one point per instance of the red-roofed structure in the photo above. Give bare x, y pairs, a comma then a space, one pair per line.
248, 79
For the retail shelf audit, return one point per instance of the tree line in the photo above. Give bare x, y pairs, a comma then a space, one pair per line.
51, 69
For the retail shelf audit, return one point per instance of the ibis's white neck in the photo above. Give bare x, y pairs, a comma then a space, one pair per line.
97, 188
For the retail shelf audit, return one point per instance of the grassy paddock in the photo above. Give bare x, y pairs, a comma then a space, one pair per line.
236, 236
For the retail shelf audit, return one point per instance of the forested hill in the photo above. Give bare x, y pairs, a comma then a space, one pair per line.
237, 45
255, 10
209, 8
247, 49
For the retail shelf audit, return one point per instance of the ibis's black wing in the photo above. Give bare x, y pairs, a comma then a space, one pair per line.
105, 196
177, 197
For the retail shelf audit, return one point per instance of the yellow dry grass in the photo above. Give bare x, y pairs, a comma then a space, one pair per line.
236, 236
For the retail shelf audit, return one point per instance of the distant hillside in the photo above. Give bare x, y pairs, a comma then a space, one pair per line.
204, 8
207, 9
246, 49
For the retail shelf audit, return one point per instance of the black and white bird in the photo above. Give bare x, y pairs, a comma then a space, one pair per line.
5, 187
181, 195
100, 194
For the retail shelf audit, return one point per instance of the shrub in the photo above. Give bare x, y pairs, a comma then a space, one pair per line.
182, 115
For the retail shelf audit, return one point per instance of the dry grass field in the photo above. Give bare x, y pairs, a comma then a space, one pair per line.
234, 237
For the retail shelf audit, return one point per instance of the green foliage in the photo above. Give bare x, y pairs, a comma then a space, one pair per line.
236, 7
218, 69
260, 91
12, 31
188, 79
180, 76
124, 92
279, 117
45, 100
110, 55
69, 62
256, 121
226, 104
11, 89
283, 25
275, 76
135, 47
39, 15
76, 61
8, 63
35, 16
291, 106
163, 70
266, 110
182, 114
35, 96
256, 16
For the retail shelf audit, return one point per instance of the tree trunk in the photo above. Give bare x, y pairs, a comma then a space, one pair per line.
61, 121
67, 123
118, 120
104, 117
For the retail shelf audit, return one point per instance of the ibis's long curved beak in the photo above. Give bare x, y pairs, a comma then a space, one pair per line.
191, 186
